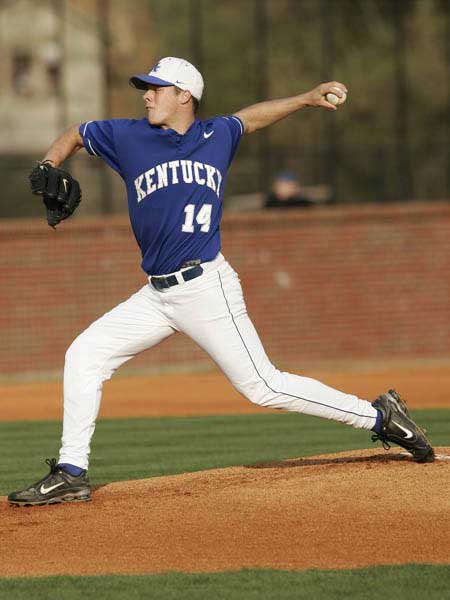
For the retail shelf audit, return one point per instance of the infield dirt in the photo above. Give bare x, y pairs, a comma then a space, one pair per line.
423, 386
351, 509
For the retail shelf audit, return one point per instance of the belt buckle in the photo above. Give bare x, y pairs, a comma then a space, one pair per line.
160, 283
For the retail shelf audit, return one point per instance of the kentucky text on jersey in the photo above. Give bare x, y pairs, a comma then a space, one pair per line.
175, 183
171, 173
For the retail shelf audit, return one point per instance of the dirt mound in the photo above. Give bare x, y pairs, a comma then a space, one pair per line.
351, 509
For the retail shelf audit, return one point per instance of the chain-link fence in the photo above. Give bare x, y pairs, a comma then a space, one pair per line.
390, 141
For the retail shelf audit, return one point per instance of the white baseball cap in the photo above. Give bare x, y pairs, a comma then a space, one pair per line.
172, 71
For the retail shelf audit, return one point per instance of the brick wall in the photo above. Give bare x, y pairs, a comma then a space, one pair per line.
361, 283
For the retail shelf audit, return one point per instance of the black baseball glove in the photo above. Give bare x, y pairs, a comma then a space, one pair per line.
61, 192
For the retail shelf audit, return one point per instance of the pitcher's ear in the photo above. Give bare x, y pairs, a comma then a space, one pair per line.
185, 96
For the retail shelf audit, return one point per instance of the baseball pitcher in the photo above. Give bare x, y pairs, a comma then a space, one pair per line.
174, 166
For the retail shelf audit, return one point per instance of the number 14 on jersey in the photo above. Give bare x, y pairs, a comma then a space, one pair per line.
203, 218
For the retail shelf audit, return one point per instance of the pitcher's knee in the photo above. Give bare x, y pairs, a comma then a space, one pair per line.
80, 354
257, 392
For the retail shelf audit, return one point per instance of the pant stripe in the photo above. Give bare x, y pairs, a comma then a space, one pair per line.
265, 382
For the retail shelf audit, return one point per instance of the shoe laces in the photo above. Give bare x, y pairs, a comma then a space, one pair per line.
382, 438
53, 464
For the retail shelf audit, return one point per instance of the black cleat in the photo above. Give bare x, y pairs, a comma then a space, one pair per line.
398, 427
57, 486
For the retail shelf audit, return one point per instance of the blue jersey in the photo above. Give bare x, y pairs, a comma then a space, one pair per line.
174, 182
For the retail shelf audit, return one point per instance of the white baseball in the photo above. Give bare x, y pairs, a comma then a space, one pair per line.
333, 99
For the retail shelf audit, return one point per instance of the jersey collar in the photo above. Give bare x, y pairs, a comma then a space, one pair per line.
174, 134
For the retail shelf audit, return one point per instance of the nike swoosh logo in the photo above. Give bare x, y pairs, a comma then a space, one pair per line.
409, 433
45, 490
208, 135
65, 182
182, 82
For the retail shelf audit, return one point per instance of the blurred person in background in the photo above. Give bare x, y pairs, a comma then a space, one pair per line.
286, 192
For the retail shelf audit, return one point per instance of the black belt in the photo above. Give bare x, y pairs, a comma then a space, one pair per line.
162, 283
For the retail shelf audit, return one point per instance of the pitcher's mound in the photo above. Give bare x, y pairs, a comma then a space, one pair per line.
351, 509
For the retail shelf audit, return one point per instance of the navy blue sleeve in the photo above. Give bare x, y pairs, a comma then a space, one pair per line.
236, 130
98, 139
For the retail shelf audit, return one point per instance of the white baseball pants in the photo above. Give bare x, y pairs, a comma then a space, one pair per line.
211, 310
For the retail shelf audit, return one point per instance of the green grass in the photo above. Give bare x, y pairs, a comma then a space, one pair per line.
138, 448
409, 582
